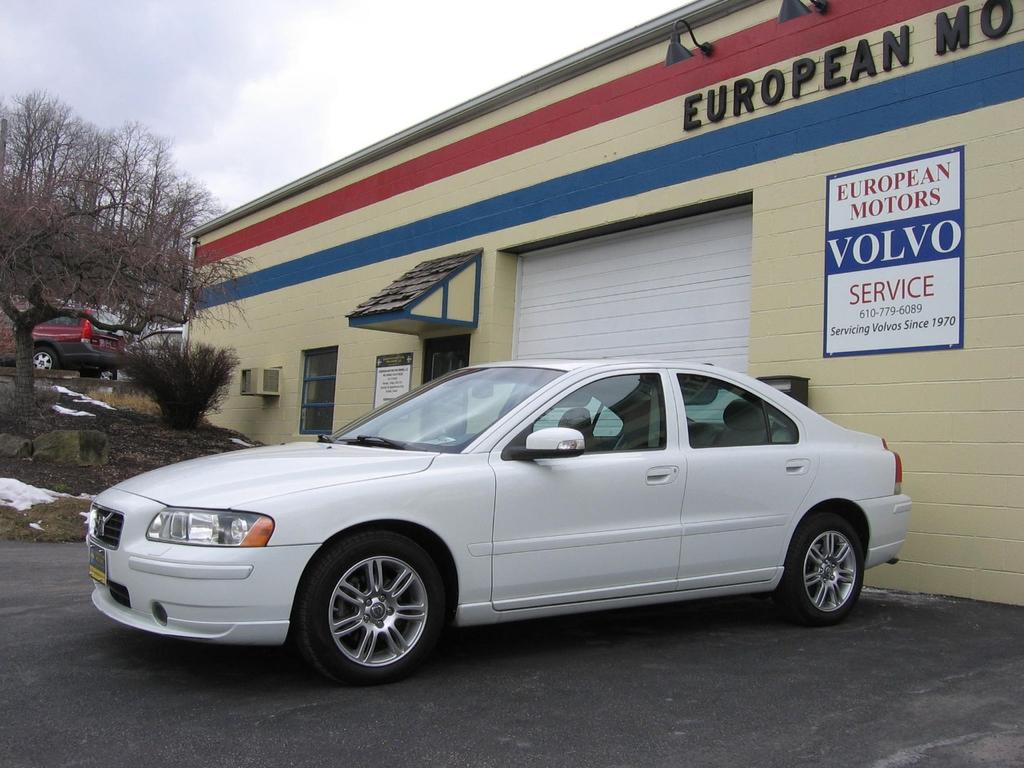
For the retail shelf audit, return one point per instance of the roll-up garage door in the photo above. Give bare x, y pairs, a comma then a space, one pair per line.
677, 291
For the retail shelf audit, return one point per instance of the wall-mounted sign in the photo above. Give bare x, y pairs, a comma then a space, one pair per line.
894, 256
394, 372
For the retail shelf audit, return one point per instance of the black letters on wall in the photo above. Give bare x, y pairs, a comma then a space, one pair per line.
949, 37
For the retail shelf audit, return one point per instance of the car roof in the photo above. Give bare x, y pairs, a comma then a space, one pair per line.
574, 365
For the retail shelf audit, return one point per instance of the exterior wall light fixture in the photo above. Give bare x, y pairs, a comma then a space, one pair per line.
676, 51
793, 8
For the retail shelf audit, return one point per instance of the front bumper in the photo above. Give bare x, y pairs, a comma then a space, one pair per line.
218, 594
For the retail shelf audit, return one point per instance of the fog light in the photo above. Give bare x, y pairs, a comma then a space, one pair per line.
160, 614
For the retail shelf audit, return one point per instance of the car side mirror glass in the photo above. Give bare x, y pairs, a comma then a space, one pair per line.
550, 443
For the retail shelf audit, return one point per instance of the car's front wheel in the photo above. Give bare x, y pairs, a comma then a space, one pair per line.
370, 609
824, 571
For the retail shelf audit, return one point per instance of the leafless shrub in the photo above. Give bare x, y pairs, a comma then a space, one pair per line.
185, 381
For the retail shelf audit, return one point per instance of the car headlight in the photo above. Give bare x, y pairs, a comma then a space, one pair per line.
211, 528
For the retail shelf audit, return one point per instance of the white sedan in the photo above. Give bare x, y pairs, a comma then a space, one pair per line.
503, 492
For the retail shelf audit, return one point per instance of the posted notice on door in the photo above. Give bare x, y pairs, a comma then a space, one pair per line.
894, 256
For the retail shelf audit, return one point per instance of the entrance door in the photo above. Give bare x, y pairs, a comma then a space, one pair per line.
443, 355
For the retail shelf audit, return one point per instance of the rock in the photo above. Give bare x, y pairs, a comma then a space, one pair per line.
84, 447
14, 447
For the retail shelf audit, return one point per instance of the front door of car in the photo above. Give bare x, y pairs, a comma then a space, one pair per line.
747, 473
604, 524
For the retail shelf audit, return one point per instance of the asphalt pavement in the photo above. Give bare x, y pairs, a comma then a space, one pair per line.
908, 680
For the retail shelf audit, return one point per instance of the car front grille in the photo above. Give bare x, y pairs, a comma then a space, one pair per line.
120, 594
107, 526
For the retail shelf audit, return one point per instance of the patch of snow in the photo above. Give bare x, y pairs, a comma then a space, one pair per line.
21, 496
80, 398
236, 441
65, 391
69, 412
37, 526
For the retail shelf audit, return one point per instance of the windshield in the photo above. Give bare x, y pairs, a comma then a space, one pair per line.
449, 414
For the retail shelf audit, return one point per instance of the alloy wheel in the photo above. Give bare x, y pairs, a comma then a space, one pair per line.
377, 611
830, 571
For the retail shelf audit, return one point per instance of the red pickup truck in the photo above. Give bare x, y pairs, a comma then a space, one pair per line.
74, 344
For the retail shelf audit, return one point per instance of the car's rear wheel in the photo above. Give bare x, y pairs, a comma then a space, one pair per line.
824, 571
370, 609
45, 358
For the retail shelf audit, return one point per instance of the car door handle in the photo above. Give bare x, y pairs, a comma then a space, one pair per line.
661, 475
797, 466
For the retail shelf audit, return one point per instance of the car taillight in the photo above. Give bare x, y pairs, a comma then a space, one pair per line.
898, 484
86, 331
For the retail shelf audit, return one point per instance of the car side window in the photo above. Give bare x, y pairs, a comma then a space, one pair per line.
617, 413
719, 414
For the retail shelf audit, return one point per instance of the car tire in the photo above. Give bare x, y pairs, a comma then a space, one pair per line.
823, 573
370, 609
45, 358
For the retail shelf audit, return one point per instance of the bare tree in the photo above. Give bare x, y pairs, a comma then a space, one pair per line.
94, 219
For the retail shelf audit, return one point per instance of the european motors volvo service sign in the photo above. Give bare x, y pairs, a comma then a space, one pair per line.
894, 254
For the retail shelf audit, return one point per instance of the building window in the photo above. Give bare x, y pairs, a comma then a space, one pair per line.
320, 369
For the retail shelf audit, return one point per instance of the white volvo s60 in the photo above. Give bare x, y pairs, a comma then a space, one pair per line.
503, 492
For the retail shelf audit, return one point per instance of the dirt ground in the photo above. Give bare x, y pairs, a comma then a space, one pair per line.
63, 520
138, 443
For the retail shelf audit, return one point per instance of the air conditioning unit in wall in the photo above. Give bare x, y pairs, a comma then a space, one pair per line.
261, 381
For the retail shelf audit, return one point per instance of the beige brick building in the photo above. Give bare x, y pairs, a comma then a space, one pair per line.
613, 205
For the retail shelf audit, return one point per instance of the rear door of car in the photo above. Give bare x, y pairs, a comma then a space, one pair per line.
749, 468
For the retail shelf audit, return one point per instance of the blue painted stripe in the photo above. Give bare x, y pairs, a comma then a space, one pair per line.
949, 89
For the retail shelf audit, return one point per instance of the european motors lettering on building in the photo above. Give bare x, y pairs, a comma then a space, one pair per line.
894, 256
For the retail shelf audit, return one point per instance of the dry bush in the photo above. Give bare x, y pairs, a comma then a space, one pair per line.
186, 381
129, 400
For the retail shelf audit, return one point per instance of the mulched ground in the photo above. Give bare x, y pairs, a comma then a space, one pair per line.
138, 443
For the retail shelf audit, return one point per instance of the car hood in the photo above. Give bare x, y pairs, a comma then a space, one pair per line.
231, 480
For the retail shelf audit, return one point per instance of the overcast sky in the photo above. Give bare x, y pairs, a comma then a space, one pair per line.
257, 93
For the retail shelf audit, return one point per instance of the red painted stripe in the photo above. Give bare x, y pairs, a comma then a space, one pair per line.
740, 53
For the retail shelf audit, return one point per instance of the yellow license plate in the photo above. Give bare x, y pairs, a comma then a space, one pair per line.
98, 563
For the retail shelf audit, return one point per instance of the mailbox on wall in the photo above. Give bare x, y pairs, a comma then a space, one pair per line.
794, 386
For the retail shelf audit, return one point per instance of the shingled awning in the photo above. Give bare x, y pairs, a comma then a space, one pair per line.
433, 295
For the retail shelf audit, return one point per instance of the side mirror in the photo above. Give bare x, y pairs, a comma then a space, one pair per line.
551, 443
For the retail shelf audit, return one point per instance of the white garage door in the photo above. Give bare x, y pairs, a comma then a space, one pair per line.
677, 291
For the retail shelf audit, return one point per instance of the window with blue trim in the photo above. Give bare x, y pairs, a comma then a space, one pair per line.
319, 372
